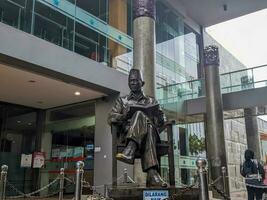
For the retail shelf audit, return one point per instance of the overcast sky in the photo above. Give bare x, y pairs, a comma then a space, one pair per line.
245, 37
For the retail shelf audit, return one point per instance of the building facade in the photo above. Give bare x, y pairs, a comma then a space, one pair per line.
64, 62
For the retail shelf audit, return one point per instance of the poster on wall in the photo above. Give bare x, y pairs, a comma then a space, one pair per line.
26, 160
38, 159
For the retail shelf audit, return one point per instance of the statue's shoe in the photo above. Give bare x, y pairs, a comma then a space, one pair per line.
128, 153
129, 159
155, 180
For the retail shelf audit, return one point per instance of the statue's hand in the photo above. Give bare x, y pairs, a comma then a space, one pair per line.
125, 112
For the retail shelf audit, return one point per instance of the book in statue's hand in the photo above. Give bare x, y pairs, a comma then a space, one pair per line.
150, 109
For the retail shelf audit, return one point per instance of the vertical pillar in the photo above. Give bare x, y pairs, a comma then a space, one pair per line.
144, 13
3, 123
252, 133
103, 141
40, 127
117, 19
215, 130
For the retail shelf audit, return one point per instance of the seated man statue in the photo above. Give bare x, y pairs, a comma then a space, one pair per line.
139, 128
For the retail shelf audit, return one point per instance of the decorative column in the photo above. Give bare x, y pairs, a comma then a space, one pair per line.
215, 130
252, 133
144, 13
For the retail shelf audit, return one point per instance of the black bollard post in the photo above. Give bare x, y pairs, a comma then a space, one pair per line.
125, 176
203, 181
79, 178
224, 178
3, 180
61, 184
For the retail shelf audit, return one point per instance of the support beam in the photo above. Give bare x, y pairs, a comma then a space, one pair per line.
215, 130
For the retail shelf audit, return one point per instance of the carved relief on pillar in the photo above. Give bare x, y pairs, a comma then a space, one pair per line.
144, 8
211, 55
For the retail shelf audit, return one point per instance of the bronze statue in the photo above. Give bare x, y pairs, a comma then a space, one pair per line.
139, 117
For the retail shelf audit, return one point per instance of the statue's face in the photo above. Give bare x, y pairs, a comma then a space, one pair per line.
135, 83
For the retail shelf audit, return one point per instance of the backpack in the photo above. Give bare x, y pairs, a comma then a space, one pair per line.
253, 173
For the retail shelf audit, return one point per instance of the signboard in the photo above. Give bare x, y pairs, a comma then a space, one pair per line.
55, 153
78, 152
187, 162
26, 160
155, 194
38, 159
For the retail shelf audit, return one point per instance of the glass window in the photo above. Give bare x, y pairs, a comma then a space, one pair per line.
16, 13
98, 8
53, 26
72, 130
18, 134
177, 46
91, 44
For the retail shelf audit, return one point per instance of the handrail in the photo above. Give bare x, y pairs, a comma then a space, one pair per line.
189, 90
201, 79
251, 68
185, 82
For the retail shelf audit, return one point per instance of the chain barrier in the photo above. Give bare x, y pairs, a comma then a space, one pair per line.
220, 192
39, 197
182, 191
28, 195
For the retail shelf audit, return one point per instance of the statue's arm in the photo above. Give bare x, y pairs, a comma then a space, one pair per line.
116, 115
160, 118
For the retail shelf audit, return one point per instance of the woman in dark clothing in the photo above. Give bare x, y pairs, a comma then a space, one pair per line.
253, 171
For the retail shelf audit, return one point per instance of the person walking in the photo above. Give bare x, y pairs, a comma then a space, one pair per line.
265, 172
253, 171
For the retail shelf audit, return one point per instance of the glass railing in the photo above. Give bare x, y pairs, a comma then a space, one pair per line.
244, 79
181, 91
64, 24
230, 82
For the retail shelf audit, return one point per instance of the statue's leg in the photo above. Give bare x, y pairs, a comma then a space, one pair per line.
138, 128
150, 163
149, 154
136, 133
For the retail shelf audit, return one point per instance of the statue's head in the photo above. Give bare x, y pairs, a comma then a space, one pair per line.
135, 81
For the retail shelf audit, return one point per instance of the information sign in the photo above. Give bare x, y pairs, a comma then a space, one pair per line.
155, 194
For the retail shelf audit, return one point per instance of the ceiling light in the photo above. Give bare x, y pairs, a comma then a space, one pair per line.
77, 93
29, 124
18, 121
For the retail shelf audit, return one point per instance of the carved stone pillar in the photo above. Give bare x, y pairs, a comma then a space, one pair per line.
144, 13
252, 133
215, 130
